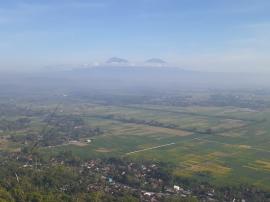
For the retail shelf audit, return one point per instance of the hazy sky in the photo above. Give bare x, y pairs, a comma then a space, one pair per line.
212, 35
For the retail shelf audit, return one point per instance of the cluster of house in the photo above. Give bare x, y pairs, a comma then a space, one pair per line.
147, 184
144, 181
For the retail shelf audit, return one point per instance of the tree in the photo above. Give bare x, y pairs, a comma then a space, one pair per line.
5, 196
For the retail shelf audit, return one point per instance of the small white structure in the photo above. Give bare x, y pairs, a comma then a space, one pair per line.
176, 188
148, 193
88, 141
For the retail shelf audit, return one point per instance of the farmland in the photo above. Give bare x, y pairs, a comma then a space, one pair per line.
222, 142
194, 144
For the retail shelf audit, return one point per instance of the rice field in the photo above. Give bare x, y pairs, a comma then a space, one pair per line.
229, 144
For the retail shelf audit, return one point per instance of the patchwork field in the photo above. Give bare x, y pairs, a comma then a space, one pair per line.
222, 145
228, 145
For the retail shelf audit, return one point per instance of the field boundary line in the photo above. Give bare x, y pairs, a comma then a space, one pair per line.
151, 148
188, 113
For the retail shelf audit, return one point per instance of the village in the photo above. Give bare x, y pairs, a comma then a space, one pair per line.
144, 181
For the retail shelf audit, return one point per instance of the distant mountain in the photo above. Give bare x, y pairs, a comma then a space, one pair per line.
156, 61
116, 60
